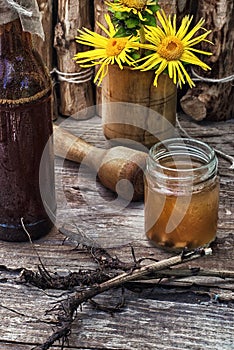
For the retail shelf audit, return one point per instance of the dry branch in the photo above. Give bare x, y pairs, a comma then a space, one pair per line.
194, 271
67, 309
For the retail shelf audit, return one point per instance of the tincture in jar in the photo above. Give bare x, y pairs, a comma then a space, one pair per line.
181, 194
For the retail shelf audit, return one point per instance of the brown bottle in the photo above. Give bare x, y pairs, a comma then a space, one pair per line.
25, 129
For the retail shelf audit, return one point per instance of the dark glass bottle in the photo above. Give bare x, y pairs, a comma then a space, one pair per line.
25, 129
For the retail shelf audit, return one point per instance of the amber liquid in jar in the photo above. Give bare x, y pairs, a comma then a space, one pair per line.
181, 195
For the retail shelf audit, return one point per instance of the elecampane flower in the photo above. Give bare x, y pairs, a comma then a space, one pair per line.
107, 49
173, 48
134, 6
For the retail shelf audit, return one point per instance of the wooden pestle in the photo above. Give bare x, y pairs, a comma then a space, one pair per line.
112, 165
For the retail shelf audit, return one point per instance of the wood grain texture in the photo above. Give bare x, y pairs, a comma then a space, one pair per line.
45, 48
100, 8
212, 100
135, 94
177, 314
75, 99
168, 6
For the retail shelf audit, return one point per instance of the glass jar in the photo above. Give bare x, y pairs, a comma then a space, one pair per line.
25, 130
181, 194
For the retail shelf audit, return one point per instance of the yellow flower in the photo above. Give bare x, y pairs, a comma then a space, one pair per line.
173, 48
107, 50
134, 6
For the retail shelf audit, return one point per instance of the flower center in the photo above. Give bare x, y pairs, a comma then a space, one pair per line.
115, 46
171, 48
137, 4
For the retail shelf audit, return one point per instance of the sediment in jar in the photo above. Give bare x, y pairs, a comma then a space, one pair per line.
181, 220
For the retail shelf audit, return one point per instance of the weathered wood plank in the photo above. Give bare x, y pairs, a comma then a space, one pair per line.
211, 100
45, 48
145, 323
165, 327
14, 346
76, 99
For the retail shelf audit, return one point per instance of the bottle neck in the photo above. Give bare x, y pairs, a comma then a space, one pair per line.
13, 39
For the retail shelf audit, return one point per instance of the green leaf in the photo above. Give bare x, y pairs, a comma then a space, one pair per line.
121, 15
132, 23
132, 31
148, 52
121, 32
154, 8
150, 20
136, 55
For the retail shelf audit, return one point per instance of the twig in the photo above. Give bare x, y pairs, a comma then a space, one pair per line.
14, 311
85, 278
72, 279
156, 266
194, 271
69, 307
31, 242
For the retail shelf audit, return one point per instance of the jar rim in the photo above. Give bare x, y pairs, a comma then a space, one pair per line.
183, 147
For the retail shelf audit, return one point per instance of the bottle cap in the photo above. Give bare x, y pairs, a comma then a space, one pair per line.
26, 10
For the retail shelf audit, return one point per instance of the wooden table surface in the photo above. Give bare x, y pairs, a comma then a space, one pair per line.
193, 313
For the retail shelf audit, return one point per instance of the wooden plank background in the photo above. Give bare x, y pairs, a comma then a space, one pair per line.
172, 315
62, 18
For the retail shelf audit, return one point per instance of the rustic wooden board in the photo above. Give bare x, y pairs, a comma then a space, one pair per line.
157, 318
211, 100
76, 99
145, 323
45, 47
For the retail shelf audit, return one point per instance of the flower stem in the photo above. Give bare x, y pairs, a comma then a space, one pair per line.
142, 39
142, 35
